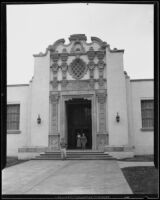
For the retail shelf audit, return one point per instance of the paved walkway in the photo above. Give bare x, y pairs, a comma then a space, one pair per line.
65, 177
134, 164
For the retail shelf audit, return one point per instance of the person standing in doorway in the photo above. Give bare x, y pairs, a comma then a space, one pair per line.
78, 141
63, 149
83, 141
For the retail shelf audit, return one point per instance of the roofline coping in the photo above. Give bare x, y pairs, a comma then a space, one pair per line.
17, 85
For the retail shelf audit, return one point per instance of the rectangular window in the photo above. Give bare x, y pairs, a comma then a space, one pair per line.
13, 115
147, 109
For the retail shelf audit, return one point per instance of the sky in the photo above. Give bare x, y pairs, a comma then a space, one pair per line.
32, 28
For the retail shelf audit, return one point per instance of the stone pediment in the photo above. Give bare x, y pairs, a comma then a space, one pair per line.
78, 44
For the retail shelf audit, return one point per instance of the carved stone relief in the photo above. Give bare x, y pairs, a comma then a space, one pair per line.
54, 141
54, 98
64, 67
101, 97
55, 67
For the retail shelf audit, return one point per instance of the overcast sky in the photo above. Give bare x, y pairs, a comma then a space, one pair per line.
31, 28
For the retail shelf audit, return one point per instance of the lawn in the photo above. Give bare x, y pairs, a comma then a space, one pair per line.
142, 180
13, 161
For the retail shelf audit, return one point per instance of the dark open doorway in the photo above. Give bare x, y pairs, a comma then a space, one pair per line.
78, 121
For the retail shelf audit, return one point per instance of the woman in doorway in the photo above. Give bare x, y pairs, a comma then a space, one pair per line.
78, 141
83, 141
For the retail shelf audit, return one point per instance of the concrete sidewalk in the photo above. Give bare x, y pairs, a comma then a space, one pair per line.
65, 177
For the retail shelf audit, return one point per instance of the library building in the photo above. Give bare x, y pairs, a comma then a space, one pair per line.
80, 88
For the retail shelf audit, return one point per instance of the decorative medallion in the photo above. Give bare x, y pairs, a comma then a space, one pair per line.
77, 68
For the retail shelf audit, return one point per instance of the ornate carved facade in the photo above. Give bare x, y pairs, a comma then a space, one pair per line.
78, 69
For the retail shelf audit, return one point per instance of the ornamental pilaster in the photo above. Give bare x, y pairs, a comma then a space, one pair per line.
101, 97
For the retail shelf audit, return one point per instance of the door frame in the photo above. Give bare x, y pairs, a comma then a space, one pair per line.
65, 96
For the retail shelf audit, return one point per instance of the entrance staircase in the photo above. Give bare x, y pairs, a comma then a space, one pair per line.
75, 155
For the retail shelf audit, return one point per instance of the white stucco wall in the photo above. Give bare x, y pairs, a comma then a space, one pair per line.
40, 101
18, 94
116, 99
143, 139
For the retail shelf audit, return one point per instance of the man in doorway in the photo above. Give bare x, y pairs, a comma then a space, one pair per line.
63, 149
83, 141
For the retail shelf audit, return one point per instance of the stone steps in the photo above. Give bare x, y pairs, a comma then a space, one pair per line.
75, 155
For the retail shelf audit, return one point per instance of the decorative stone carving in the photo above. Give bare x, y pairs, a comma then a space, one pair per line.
64, 55
91, 65
101, 82
77, 37
64, 67
101, 64
55, 56
64, 83
101, 96
55, 82
54, 67
77, 48
92, 83
100, 54
77, 68
91, 53
54, 98
54, 141
53, 47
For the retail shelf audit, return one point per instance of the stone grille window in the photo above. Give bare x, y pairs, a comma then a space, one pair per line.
78, 68
13, 114
147, 114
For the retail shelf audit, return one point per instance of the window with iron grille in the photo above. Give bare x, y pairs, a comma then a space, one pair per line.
147, 110
13, 115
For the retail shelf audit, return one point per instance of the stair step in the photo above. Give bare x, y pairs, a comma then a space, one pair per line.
74, 159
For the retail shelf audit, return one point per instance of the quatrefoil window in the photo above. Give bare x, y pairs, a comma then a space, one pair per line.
77, 68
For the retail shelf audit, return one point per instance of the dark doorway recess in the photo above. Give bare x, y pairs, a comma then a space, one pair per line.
78, 121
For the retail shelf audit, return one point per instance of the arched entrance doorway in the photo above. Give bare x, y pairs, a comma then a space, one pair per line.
78, 120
